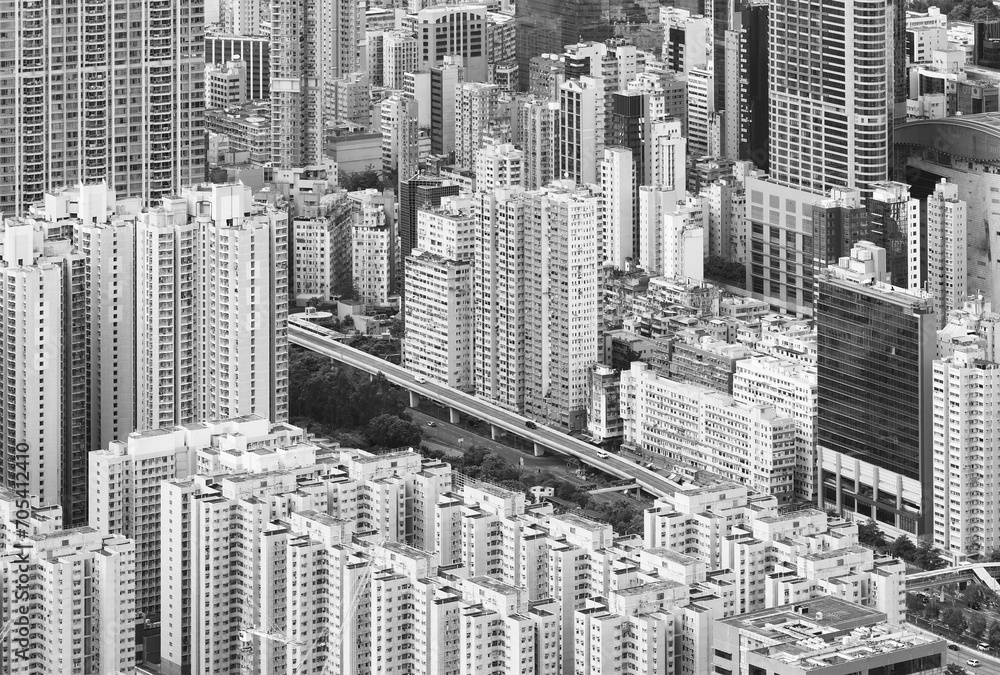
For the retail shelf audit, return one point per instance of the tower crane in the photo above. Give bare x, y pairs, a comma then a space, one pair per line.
272, 632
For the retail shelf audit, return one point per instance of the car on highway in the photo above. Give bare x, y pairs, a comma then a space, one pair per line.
432, 424
984, 646
953, 647
530, 425
972, 662
602, 454
419, 378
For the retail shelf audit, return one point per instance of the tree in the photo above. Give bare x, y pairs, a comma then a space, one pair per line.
914, 604
352, 181
389, 431
994, 555
993, 636
928, 557
977, 624
902, 548
977, 594
932, 610
955, 620
347, 322
870, 534
725, 272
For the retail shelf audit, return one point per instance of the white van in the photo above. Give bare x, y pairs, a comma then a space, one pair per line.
601, 454
419, 378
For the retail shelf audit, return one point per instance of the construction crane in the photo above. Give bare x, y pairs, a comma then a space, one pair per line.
269, 631
272, 632
352, 608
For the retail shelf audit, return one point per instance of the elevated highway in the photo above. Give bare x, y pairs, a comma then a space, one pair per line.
326, 342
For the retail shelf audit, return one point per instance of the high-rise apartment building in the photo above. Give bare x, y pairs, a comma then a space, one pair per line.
166, 316
875, 344
499, 296
444, 83
476, 111
581, 129
36, 449
438, 339
563, 260
499, 165
373, 245
417, 193
399, 56
894, 224
400, 136
618, 184
966, 438
71, 594
536, 131
125, 479
114, 94
947, 250
243, 305
312, 45
831, 91
321, 255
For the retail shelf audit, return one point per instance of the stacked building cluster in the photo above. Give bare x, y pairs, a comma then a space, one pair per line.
252, 546
747, 245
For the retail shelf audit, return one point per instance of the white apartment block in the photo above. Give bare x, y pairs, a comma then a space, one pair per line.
501, 220
392, 563
321, 246
790, 388
373, 245
537, 126
947, 254
581, 130
166, 311
563, 259
71, 595
448, 231
701, 110
399, 56
683, 253
147, 143
618, 187
477, 110
439, 319
226, 84
655, 203
125, 479
499, 165
242, 359
692, 425
32, 369
400, 135
966, 438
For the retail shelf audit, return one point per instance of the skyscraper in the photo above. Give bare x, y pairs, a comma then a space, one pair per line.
312, 45
831, 92
563, 259
947, 257
499, 298
875, 345
114, 92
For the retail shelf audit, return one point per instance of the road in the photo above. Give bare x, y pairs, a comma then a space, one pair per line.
988, 665
549, 439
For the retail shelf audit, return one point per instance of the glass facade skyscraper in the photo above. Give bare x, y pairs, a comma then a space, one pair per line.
876, 344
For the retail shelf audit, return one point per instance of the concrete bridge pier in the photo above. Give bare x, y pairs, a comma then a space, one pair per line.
454, 416
494, 432
539, 450
414, 399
